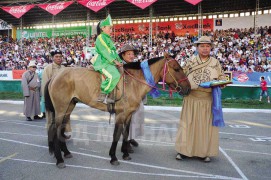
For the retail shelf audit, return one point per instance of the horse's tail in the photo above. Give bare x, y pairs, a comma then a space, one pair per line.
48, 101
52, 130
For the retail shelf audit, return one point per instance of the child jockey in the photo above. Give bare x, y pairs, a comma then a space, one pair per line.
106, 59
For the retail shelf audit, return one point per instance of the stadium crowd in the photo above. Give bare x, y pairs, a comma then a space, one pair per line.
237, 49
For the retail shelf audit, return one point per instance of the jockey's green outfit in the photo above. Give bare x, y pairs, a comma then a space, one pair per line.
103, 61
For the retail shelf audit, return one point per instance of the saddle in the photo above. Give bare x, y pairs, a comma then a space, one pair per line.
116, 95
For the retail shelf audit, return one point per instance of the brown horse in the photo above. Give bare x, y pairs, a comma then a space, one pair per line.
74, 85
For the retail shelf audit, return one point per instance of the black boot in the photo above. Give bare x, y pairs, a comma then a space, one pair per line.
133, 142
43, 115
37, 117
29, 119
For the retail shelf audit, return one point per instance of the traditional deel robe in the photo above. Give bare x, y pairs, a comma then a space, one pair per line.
103, 62
137, 122
50, 71
42, 102
196, 136
31, 91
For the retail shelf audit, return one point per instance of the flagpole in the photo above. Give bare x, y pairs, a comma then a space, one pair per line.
150, 27
200, 21
53, 30
21, 40
88, 17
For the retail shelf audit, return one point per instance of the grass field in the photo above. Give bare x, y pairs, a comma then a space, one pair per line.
177, 101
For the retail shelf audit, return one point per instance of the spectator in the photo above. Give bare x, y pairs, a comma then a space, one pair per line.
31, 91
264, 90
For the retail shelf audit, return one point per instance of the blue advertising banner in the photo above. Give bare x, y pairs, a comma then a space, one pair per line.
250, 79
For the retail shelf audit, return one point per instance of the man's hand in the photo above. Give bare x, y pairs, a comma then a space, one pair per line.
118, 63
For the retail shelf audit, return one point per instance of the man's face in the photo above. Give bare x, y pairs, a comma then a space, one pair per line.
204, 49
33, 68
57, 59
128, 56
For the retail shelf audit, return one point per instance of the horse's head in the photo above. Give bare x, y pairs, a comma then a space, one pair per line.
173, 75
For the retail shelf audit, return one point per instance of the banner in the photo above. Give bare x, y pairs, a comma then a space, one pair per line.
18, 11
17, 74
178, 27
4, 25
55, 8
142, 3
252, 79
58, 32
194, 2
6, 75
95, 5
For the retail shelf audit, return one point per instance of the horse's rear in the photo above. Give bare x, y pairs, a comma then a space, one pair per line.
72, 85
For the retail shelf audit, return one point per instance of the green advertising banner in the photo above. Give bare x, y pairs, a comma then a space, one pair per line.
58, 32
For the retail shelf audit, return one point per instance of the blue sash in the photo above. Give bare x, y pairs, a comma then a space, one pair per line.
154, 93
218, 119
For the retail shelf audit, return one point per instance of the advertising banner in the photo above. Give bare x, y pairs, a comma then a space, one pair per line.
18, 11
250, 79
6, 75
194, 2
95, 5
178, 27
17, 74
4, 25
142, 3
58, 32
55, 8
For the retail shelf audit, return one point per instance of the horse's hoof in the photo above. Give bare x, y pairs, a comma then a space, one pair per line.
68, 137
126, 158
68, 156
115, 162
61, 165
130, 149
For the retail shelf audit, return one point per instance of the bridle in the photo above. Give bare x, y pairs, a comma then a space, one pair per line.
165, 72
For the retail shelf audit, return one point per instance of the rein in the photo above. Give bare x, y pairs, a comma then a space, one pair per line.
166, 71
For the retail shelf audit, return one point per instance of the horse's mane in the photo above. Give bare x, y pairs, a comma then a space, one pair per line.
136, 65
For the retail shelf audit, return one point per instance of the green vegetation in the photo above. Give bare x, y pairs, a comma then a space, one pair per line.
226, 103
11, 96
176, 101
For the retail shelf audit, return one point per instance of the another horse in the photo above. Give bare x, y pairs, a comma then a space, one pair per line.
74, 85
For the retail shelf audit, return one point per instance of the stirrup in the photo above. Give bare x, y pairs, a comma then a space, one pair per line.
108, 100
101, 97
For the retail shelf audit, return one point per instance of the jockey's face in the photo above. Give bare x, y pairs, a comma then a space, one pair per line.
107, 29
128, 56
57, 59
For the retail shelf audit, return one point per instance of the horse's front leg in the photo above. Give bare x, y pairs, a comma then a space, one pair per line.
126, 144
116, 136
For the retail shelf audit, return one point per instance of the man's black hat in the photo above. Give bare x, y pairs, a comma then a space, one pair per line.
57, 51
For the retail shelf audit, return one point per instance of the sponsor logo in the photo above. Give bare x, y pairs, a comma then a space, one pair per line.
142, 1
18, 9
178, 25
4, 75
58, 6
96, 3
242, 78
